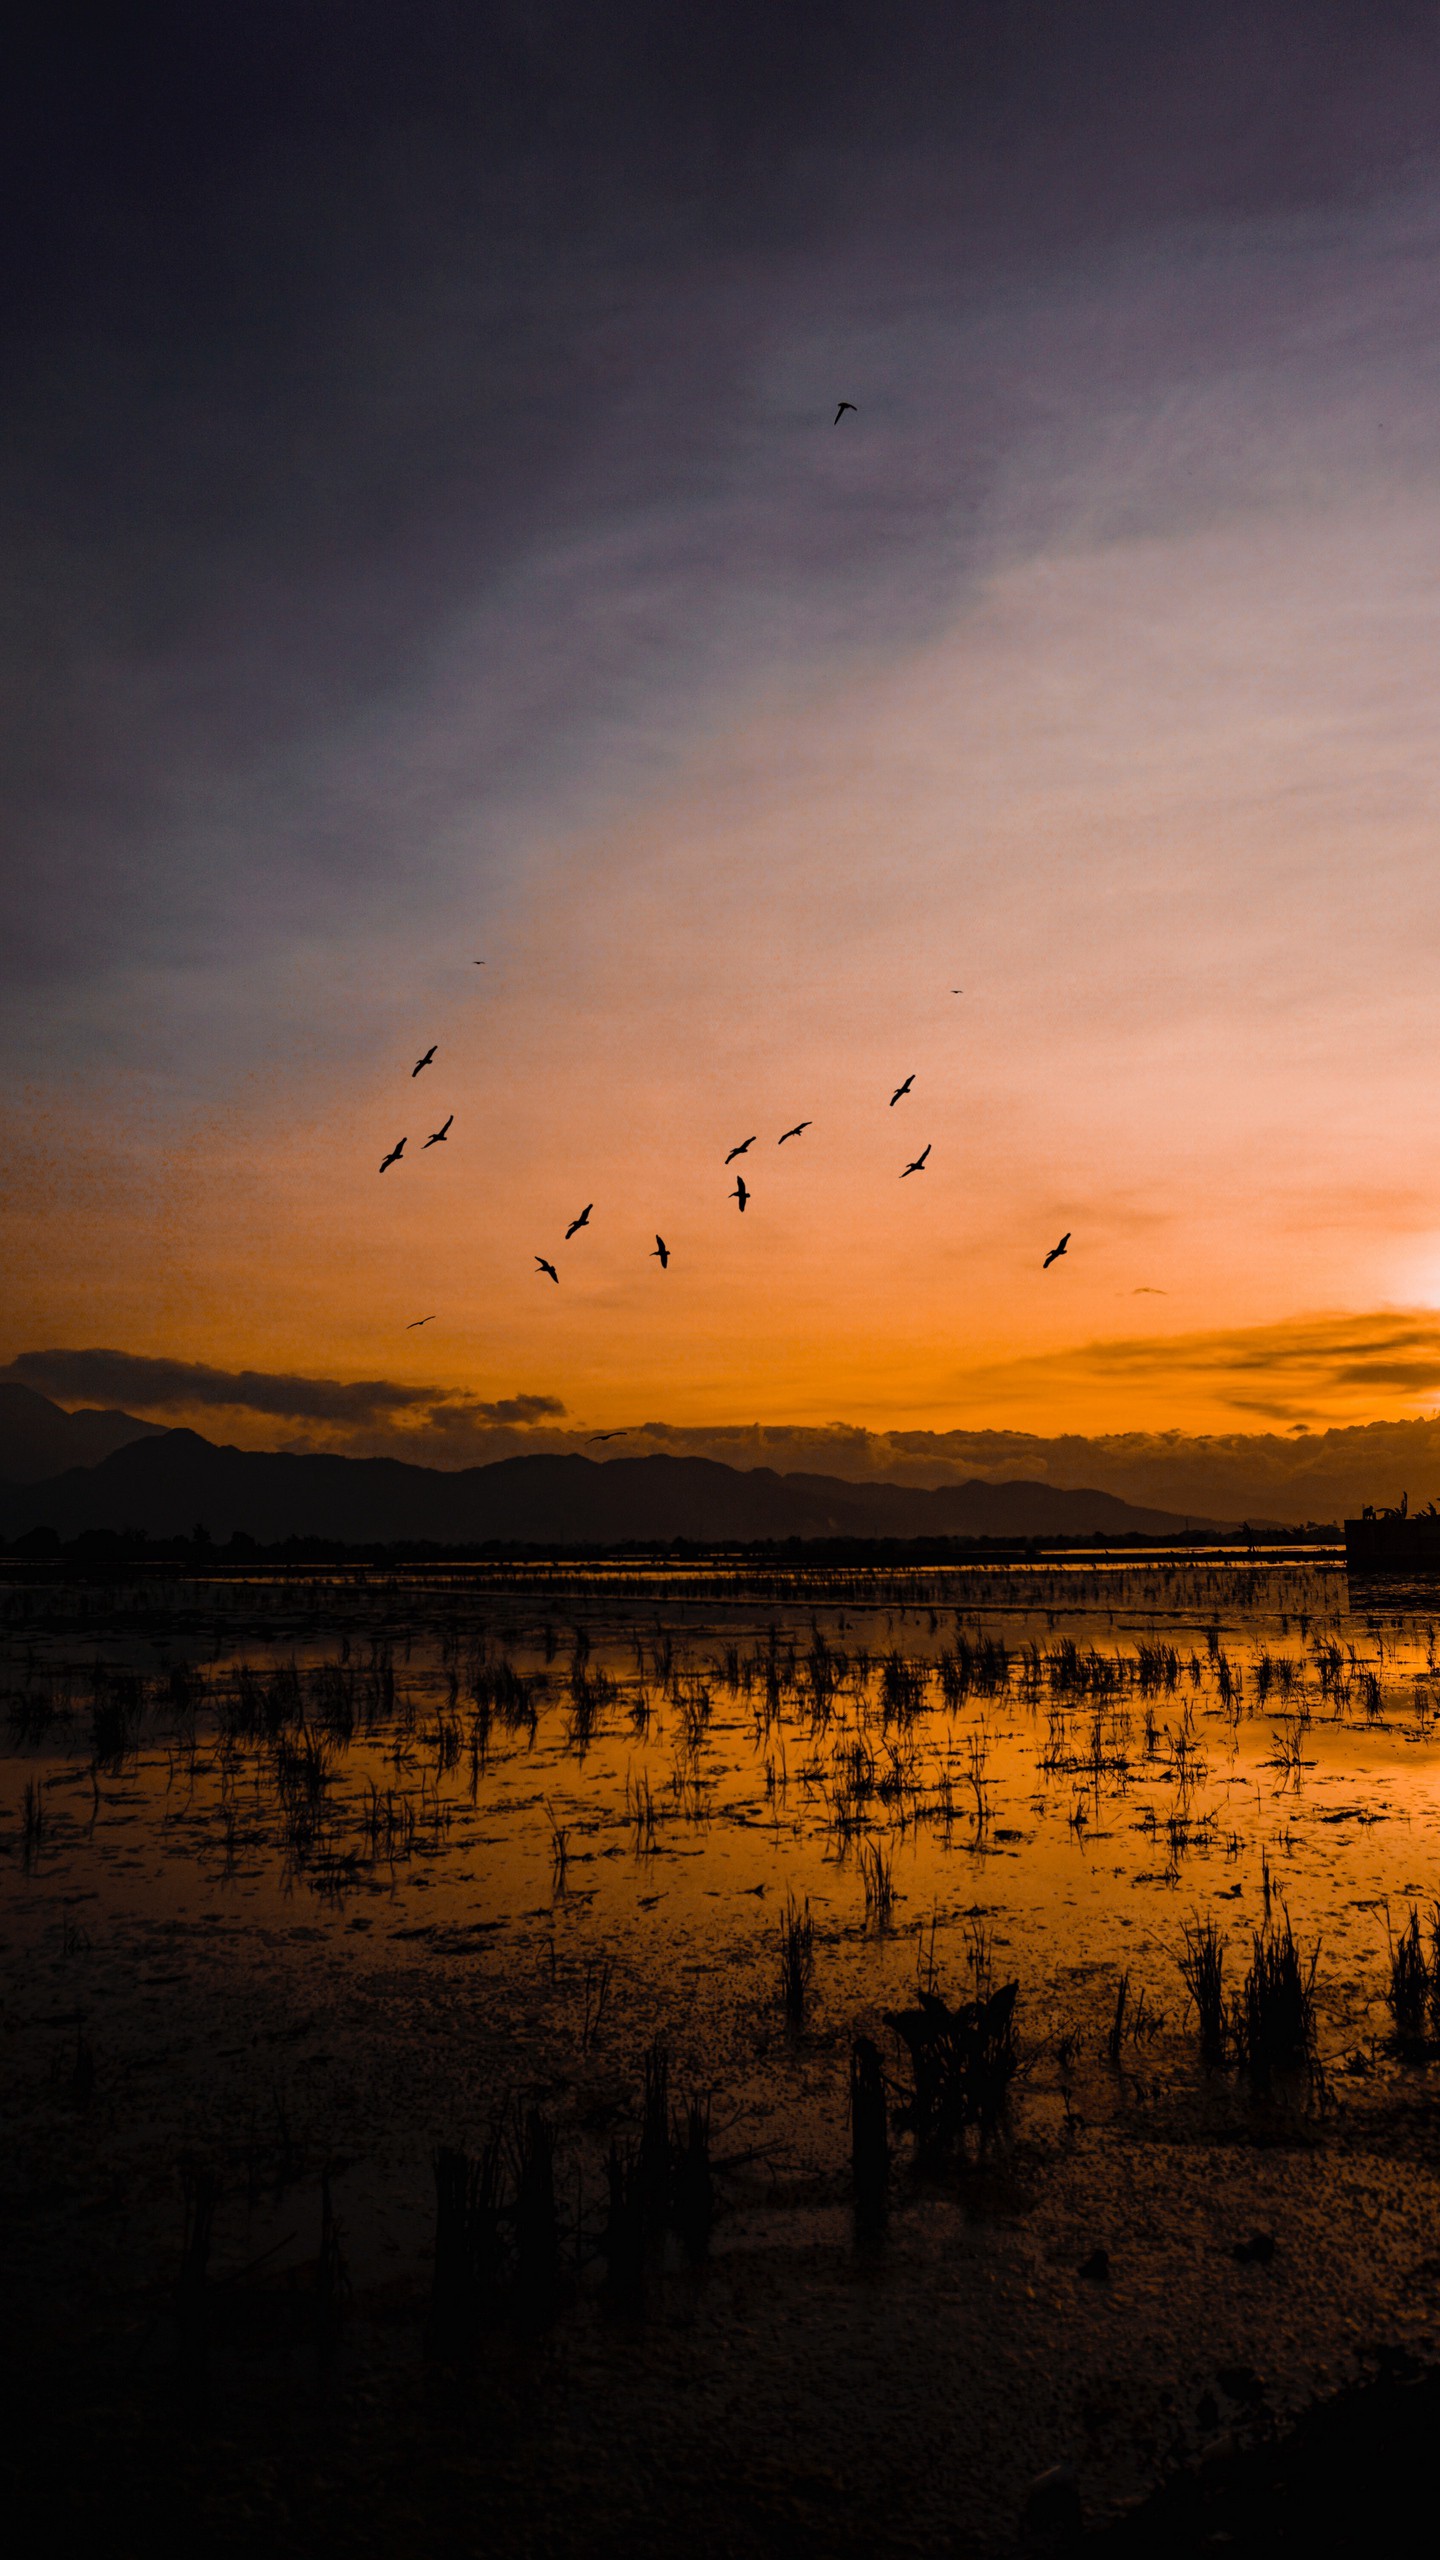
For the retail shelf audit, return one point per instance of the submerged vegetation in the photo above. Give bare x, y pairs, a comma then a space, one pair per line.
536, 1972
611, 1916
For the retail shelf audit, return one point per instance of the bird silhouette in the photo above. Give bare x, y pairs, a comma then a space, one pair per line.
418, 1321
661, 1253
740, 1192
918, 1166
622, 1434
743, 1149
395, 1154
901, 1089
582, 1221
797, 1132
1056, 1250
549, 1268
438, 1137
425, 1061
840, 412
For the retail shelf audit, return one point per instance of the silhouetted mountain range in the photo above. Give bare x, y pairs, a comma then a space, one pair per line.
166, 1483
38, 1439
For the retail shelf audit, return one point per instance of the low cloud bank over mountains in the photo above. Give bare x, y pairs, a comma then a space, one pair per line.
1293, 1475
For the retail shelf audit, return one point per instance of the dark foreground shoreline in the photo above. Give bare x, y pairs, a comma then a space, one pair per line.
1355, 2471
463, 2479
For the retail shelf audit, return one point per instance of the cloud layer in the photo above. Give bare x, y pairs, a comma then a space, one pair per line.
186, 1386
1301, 1473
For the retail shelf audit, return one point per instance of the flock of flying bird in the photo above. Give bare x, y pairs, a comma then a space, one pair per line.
741, 1193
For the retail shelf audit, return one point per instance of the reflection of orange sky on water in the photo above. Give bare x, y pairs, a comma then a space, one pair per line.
1163, 810
1098, 1871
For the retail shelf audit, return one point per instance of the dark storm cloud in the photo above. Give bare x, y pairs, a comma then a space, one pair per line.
364, 353
127, 1378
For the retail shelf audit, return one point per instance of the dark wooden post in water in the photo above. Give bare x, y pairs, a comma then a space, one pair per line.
869, 2134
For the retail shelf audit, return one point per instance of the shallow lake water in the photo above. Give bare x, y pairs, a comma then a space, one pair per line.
313, 1874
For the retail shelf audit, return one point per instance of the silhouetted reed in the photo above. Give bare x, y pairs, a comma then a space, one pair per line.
797, 1960
962, 2062
468, 2281
32, 1823
902, 1688
559, 1851
1414, 1994
1115, 2041
116, 1714
1202, 1968
1274, 2021
878, 1880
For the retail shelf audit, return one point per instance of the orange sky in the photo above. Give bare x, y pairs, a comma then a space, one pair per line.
1130, 734
1163, 808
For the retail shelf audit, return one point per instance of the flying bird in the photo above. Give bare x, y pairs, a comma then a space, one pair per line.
899, 1090
582, 1221
418, 1321
1056, 1250
395, 1154
661, 1253
739, 1193
437, 1137
743, 1149
918, 1166
425, 1061
548, 1267
840, 412
622, 1434
797, 1132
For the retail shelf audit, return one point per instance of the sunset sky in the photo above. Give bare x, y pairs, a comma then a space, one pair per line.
432, 542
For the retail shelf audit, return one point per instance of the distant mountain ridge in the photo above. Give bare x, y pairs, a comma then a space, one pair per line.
39, 1439
165, 1483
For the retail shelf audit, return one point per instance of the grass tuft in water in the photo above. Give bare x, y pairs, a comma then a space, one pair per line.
1274, 2019
797, 1960
1202, 1968
962, 2062
1413, 1998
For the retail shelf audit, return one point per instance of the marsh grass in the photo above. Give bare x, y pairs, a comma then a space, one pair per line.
797, 1960
1202, 1969
877, 1877
467, 2281
32, 1823
1274, 2018
1413, 1997
962, 2062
